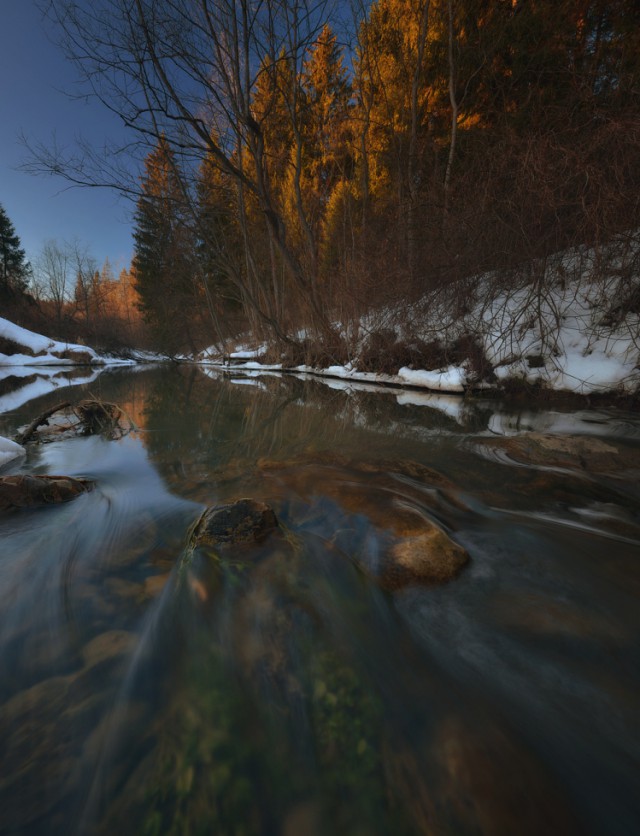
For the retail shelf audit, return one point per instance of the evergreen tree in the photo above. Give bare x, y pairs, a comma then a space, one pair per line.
219, 253
164, 259
272, 105
328, 153
14, 270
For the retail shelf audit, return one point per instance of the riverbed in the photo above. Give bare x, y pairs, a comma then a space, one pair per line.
295, 686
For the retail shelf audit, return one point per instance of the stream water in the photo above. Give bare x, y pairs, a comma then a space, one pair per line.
289, 689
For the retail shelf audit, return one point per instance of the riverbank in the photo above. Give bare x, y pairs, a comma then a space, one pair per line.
563, 331
567, 325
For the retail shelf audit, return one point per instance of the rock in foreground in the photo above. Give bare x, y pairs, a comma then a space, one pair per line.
244, 521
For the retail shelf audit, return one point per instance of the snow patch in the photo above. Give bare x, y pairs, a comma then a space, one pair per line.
47, 349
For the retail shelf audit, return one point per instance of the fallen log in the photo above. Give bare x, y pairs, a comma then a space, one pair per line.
88, 417
41, 419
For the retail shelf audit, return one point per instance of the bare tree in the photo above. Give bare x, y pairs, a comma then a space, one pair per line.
186, 69
53, 277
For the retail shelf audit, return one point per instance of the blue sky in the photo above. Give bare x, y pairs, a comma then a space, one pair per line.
34, 76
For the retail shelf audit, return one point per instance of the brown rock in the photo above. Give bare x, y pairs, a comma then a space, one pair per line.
492, 784
429, 557
26, 491
37, 751
391, 495
243, 521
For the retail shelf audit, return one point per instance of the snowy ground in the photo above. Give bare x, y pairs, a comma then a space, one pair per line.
30, 349
551, 327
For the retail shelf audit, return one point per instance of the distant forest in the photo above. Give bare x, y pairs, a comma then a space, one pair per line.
304, 164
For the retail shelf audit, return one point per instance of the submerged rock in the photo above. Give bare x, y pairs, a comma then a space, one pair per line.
26, 491
107, 647
574, 452
244, 521
429, 557
397, 497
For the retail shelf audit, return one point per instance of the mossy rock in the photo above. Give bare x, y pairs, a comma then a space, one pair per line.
243, 521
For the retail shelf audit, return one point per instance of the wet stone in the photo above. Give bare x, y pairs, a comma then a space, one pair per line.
244, 521
392, 495
430, 557
26, 491
577, 452
128, 590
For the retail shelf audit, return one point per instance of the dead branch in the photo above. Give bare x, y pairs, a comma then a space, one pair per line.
22, 437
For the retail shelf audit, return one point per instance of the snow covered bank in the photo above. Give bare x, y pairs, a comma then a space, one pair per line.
20, 347
570, 324
32, 365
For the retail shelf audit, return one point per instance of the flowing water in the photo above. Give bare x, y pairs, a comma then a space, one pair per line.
289, 687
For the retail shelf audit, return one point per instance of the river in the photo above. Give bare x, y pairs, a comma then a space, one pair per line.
291, 688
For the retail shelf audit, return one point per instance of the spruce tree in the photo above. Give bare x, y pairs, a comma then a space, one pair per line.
219, 250
164, 259
14, 270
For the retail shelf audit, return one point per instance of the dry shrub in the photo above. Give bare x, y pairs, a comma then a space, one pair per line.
10, 347
330, 350
622, 307
385, 354
319, 353
375, 351
467, 350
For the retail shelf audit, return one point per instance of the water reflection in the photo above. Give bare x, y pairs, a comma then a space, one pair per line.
287, 688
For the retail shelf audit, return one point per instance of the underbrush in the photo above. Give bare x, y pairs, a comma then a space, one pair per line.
320, 353
384, 353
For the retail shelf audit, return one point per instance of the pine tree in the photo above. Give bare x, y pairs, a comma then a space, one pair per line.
165, 254
14, 270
